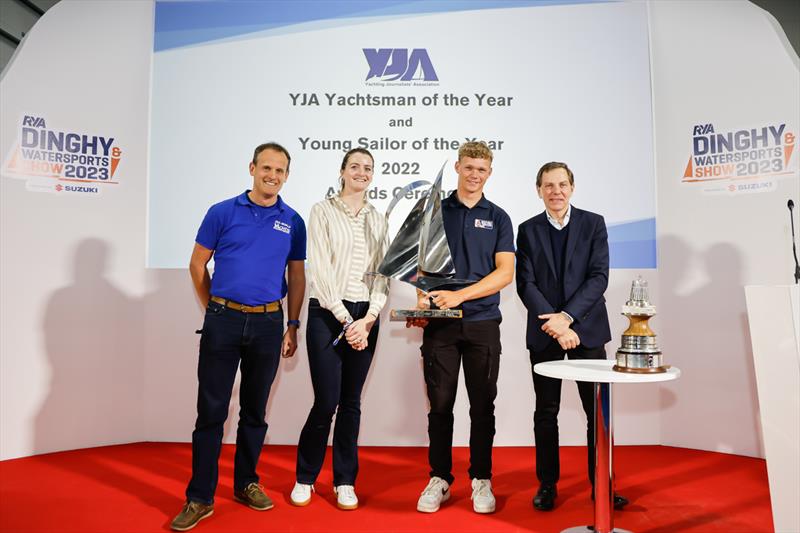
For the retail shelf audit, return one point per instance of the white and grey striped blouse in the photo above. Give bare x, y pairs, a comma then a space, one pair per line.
342, 246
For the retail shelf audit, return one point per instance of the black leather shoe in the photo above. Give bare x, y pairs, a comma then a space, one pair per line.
620, 501
545, 498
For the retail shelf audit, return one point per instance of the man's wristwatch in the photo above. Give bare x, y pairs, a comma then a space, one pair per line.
295, 323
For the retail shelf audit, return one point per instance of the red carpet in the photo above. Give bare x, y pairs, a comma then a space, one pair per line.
139, 487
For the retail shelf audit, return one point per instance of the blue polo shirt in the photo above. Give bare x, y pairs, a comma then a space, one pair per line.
475, 235
252, 245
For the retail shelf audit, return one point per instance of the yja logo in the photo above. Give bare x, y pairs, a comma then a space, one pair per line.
396, 64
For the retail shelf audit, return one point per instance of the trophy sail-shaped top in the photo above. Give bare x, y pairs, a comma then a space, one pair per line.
420, 246
400, 261
420, 254
434, 253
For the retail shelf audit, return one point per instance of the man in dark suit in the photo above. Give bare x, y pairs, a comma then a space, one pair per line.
562, 273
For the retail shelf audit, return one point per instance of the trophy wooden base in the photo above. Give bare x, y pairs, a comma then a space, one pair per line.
633, 370
400, 315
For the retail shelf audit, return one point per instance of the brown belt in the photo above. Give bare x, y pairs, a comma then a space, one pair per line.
266, 308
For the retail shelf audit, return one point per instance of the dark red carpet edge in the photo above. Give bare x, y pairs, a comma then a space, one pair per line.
139, 488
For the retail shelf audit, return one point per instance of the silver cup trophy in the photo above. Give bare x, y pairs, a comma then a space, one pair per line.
419, 253
639, 353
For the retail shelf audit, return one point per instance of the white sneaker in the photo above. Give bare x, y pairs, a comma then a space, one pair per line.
301, 494
435, 494
346, 498
482, 498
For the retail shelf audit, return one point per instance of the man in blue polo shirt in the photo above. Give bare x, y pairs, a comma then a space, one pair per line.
257, 242
481, 241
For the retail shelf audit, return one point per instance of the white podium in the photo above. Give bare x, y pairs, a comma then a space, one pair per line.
774, 316
599, 372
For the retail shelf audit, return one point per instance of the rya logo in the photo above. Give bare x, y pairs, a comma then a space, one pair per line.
392, 64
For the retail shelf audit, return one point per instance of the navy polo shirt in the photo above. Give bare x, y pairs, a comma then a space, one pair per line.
252, 245
475, 235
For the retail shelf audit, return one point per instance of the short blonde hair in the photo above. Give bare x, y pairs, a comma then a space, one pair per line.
475, 150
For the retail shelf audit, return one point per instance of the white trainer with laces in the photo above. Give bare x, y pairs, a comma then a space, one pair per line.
301, 494
482, 498
346, 497
435, 494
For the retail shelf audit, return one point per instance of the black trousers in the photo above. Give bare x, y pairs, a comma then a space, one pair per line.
338, 374
446, 344
548, 403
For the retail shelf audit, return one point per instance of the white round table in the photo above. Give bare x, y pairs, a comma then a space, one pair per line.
600, 372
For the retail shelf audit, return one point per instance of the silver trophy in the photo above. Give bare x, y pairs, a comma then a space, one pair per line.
419, 253
639, 352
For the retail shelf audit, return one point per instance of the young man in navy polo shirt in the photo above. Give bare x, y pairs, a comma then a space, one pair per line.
255, 239
481, 241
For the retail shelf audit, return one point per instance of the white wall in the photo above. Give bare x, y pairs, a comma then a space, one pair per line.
727, 67
72, 371
96, 350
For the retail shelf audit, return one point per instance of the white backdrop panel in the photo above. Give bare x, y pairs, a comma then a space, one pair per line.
95, 349
576, 79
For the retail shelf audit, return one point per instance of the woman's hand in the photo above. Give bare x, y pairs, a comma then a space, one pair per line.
358, 332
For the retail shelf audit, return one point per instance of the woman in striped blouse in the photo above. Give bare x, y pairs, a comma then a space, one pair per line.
346, 239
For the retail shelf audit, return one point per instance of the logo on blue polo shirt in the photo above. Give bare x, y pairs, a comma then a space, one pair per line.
484, 224
282, 227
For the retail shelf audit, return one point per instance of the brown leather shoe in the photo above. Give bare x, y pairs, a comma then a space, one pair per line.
253, 496
190, 515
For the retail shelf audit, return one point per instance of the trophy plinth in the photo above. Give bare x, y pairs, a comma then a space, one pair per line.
639, 353
419, 253
398, 315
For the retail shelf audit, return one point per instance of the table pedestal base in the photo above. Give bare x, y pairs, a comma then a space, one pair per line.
598, 371
604, 464
590, 529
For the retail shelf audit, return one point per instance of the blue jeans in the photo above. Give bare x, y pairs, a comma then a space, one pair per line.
230, 337
338, 374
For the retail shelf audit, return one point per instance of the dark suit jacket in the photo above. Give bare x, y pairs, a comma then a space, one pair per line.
585, 277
